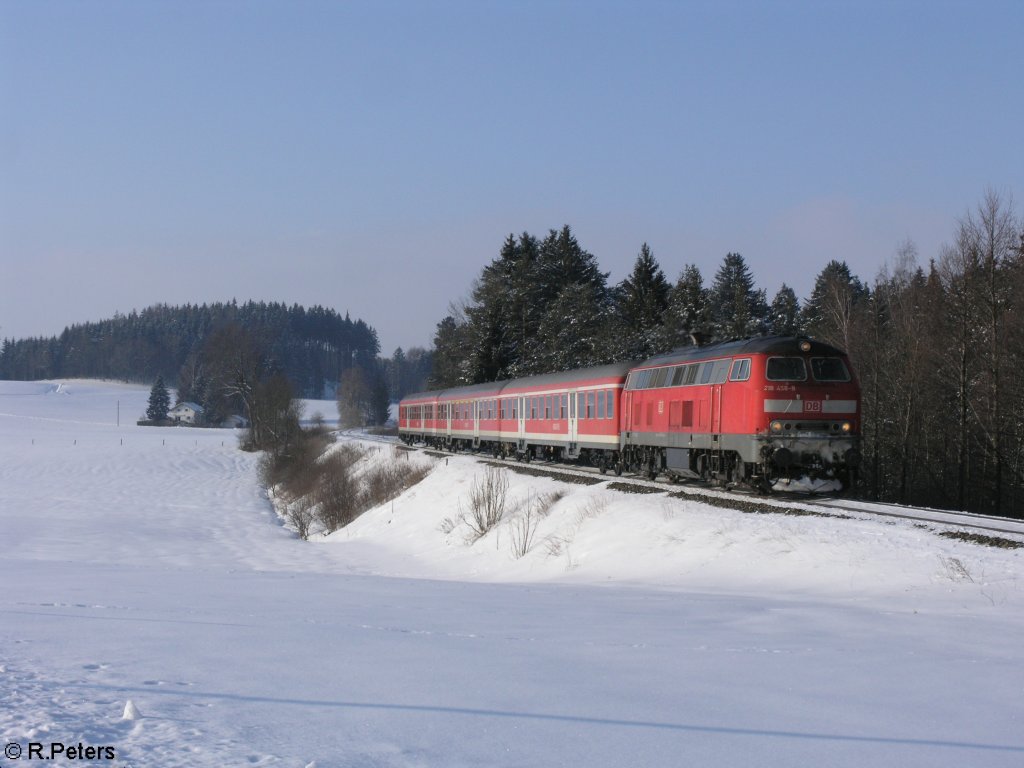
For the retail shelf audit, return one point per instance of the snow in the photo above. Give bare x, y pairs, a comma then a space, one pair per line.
146, 573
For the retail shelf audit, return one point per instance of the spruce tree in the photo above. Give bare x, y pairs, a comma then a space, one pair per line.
641, 302
159, 401
574, 331
784, 313
738, 309
687, 312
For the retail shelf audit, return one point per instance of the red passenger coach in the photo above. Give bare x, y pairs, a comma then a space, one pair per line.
559, 415
763, 411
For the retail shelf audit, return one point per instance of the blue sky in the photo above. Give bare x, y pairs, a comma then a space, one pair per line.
372, 156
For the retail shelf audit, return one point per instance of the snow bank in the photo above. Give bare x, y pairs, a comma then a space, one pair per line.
599, 536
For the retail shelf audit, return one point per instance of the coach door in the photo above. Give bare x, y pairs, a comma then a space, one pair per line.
476, 422
522, 420
572, 426
448, 420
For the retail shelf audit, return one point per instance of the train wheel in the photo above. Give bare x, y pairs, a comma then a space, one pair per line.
618, 468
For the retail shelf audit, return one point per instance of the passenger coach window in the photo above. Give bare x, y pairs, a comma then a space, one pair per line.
600, 405
829, 369
786, 369
611, 404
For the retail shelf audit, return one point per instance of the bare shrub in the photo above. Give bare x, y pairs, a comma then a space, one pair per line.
343, 497
555, 545
546, 501
337, 493
522, 529
447, 526
300, 514
487, 500
593, 507
344, 456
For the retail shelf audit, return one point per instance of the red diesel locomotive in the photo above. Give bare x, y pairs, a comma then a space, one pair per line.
762, 412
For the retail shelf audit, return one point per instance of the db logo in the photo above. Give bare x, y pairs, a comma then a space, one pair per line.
812, 406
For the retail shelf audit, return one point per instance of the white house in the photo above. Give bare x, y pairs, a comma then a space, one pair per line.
186, 413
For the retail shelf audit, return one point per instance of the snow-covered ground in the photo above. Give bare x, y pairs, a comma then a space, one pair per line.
146, 564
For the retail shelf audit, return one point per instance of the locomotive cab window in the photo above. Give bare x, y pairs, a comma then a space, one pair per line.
786, 369
740, 370
829, 369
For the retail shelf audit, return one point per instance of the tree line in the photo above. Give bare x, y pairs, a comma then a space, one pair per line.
938, 347
313, 347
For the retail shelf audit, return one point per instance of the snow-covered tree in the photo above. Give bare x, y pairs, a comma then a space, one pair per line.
641, 300
574, 331
159, 401
738, 309
687, 312
784, 313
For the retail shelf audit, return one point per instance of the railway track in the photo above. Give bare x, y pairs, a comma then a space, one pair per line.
982, 526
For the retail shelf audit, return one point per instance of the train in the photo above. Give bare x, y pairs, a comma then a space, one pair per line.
769, 413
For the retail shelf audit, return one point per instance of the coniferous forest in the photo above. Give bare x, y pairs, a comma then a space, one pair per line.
938, 344
312, 347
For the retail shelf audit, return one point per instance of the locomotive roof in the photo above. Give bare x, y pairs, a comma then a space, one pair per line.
770, 345
540, 380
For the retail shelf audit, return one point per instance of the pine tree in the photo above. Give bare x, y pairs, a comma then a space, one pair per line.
738, 309
641, 299
159, 401
784, 313
687, 312
574, 331
449, 366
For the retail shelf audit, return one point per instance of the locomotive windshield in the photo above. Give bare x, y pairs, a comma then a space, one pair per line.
786, 369
829, 369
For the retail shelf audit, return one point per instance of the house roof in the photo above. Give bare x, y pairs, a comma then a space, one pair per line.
194, 406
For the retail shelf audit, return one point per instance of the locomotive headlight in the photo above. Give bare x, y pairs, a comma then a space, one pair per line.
847, 427
776, 427
805, 346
